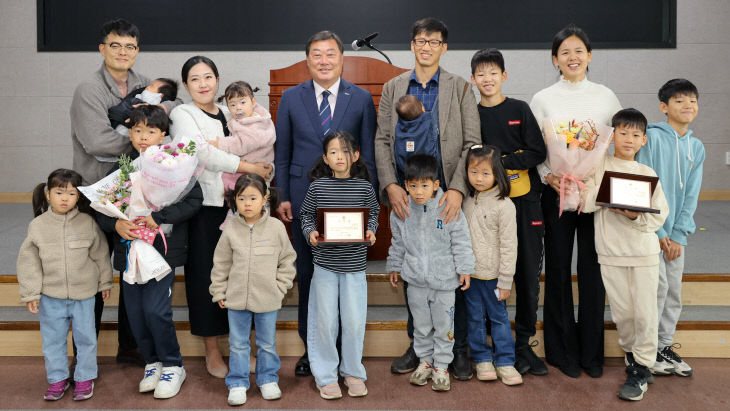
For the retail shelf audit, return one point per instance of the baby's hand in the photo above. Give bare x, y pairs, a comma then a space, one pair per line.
313, 238
32, 306
464, 281
215, 143
222, 303
105, 294
503, 294
369, 235
394, 279
148, 221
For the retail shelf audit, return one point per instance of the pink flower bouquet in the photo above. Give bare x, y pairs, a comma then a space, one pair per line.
575, 148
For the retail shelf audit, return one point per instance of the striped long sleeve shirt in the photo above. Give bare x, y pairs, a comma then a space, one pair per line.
339, 192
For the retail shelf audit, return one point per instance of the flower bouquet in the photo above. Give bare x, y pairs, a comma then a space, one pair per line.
167, 173
575, 148
111, 195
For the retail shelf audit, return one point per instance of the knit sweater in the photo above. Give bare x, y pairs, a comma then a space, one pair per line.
188, 120
621, 241
253, 267
493, 227
92, 135
427, 252
566, 101
64, 256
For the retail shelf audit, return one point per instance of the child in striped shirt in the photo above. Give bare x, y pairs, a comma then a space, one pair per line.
340, 178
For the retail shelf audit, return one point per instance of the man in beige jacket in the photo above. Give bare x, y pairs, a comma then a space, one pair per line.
448, 98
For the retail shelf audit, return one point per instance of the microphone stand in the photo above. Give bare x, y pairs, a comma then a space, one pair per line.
367, 43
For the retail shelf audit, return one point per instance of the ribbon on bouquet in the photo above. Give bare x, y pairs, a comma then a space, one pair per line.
580, 184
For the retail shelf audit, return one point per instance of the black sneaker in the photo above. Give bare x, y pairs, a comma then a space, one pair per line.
527, 360
662, 366
636, 383
461, 367
405, 363
629, 361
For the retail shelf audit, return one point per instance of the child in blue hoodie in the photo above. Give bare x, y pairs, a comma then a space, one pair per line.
434, 258
677, 158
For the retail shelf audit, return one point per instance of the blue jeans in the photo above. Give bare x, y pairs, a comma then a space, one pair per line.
328, 290
54, 315
481, 301
267, 360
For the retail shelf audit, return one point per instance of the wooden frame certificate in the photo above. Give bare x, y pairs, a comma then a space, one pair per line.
627, 191
339, 225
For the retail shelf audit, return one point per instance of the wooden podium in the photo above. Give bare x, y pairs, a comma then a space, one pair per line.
365, 72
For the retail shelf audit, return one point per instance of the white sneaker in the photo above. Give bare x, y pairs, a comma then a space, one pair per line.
681, 368
152, 374
170, 382
237, 396
270, 391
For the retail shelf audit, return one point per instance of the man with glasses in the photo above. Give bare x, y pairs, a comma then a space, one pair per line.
97, 146
451, 102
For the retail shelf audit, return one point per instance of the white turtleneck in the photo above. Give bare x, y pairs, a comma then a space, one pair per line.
565, 101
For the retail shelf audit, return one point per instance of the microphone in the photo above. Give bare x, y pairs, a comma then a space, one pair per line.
358, 43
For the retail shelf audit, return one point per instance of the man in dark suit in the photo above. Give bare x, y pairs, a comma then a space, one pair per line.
307, 113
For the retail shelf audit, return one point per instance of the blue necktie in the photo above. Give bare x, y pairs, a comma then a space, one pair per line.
325, 114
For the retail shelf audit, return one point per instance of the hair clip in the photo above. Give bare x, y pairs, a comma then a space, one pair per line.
476, 146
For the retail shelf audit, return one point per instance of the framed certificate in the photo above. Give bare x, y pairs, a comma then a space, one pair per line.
340, 225
627, 191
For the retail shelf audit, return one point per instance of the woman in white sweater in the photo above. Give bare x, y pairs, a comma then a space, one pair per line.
570, 345
203, 117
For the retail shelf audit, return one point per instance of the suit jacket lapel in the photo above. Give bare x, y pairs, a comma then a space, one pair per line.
446, 88
343, 99
309, 101
400, 90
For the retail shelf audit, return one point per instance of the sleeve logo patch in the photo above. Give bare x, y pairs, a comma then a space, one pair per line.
514, 122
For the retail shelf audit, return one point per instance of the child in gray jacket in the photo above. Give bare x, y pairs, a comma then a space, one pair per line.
434, 259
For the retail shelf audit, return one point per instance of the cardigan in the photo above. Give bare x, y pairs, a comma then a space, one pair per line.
190, 121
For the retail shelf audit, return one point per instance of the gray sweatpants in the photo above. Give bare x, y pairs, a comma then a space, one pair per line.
669, 297
433, 324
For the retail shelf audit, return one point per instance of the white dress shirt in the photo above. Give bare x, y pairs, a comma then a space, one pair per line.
332, 97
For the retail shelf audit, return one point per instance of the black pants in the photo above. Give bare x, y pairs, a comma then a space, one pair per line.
305, 269
566, 342
150, 313
530, 231
207, 319
461, 342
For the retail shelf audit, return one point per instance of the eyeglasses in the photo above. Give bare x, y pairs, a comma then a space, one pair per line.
117, 46
420, 42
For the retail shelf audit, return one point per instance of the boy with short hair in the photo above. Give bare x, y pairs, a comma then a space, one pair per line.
509, 125
434, 258
677, 157
628, 251
149, 305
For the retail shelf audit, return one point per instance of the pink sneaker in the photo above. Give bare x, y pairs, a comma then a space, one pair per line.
56, 390
84, 390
